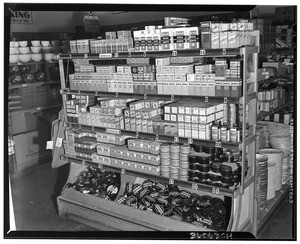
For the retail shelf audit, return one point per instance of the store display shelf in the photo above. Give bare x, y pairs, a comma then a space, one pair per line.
262, 115
186, 184
281, 51
265, 214
172, 97
155, 54
272, 79
34, 110
32, 63
140, 134
40, 83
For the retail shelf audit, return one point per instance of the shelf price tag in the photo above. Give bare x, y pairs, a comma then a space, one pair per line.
206, 99
129, 54
117, 94
224, 51
176, 139
218, 144
137, 134
24, 85
123, 171
174, 53
100, 166
190, 141
85, 55
215, 190
116, 55
202, 52
83, 163
144, 54
225, 100
70, 56
156, 137
171, 181
194, 186
93, 128
172, 98
145, 96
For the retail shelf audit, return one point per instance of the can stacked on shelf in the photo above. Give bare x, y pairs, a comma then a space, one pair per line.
165, 160
174, 160
286, 170
185, 150
261, 180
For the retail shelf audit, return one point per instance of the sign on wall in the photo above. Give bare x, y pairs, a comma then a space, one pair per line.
21, 17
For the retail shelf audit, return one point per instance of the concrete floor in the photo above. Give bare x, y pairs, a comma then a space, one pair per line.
34, 195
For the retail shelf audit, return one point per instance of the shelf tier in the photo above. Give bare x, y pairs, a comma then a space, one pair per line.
172, 97
265, 214
186, 184
156, 54
34, 110
41, 83
272, 79
228, 145
32, 63
262, 115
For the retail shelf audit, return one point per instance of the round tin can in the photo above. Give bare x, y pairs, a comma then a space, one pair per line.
183, 172
193, 166
174, 156
165, 155
165, 147
174, 176
185, 178
165, 174
164, 168
174, 170
175, 162
185, 149
216, 167
192, 173
214, 177
226, 171
204, 168
184, 157
184, 164
191, 158
165, 162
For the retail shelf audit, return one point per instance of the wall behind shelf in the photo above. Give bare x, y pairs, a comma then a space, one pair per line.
66, 21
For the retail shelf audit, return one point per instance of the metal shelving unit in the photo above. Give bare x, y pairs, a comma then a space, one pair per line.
243, 203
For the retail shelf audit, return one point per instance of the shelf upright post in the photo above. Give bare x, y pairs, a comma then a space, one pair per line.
63, 84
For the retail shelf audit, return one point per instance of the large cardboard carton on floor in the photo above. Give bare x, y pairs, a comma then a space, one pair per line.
30, 148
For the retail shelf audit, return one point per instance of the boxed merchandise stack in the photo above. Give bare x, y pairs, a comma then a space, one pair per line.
283, 36
217, 79
156, 39
144, 79
140, 115
114, 42
267, 33
227, 35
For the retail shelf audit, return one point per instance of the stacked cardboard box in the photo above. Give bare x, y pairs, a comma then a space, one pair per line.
152, 39
227, 35
193, 120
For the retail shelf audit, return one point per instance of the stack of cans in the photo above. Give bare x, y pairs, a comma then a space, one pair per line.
165, 160
261, 180
175, 159
185, 150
